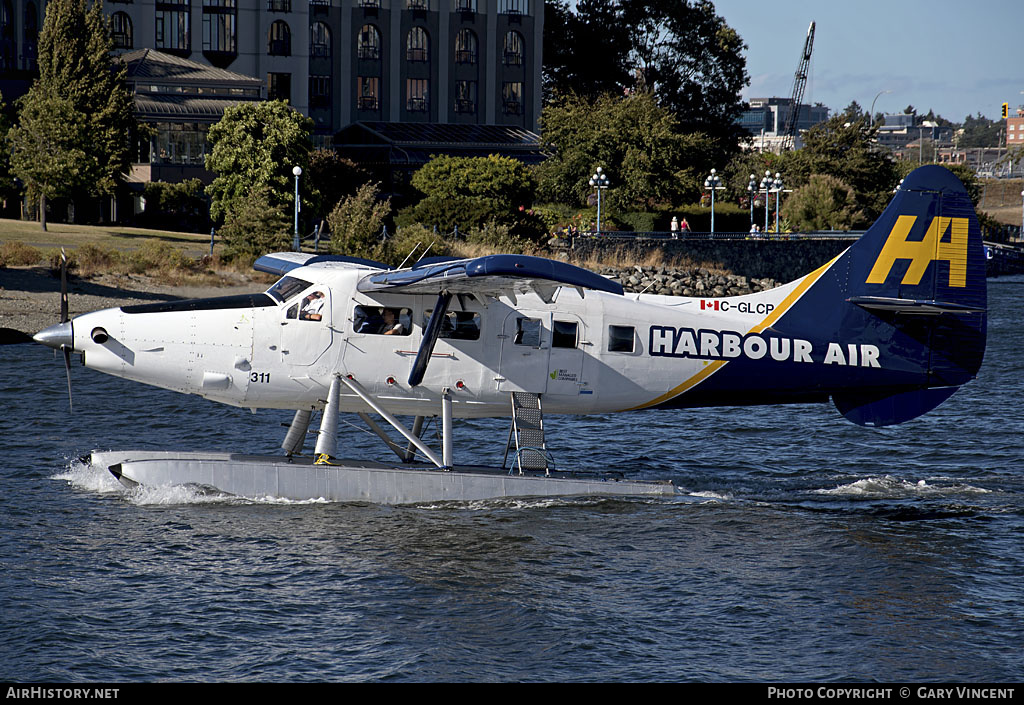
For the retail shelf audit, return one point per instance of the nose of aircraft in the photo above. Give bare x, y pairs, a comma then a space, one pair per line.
56, 335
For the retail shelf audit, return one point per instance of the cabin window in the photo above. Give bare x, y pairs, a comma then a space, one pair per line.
620, 339
563, 334
382, 320
287, 287
528, 332
457, 325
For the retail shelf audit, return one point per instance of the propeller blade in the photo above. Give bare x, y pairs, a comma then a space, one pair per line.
67, 371
63, 286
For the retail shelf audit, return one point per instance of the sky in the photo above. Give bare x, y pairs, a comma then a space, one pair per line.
956, 58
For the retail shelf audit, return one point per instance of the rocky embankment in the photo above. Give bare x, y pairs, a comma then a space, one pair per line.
671, 281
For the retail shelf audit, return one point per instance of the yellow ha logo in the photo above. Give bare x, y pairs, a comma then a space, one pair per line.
922, 252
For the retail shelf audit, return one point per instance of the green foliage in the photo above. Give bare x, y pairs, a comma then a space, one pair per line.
637, 142
255, 146
981, 132
332, 177
825, 203
76, 121
446, 213
415, 240
356, 224
253, 227
496, 178
498, 237
838, 148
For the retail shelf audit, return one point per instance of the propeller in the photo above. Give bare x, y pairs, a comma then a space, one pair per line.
61, 336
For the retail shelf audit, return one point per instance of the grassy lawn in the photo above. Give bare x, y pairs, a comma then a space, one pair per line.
113, 237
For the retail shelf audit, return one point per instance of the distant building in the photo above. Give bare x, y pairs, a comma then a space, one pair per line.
1015, 129
765, 121
341, 62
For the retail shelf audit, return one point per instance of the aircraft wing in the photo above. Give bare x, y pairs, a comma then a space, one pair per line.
281, 263
493, 275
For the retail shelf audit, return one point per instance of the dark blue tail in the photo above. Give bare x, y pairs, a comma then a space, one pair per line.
916, 280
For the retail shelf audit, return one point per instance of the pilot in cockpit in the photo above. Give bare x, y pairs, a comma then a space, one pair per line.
312, 307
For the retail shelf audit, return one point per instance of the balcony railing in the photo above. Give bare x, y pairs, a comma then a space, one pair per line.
465, 106
416, 105
368, 102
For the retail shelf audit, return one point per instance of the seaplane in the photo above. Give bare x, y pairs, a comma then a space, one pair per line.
887, 330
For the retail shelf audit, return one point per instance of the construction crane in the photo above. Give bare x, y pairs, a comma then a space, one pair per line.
799, 84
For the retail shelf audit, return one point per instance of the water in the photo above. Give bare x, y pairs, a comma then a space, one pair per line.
805, 548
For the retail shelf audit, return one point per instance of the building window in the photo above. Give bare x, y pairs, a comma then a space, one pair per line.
121, 30
465, 5
465, 96
465, 47
279, 86
372, 4
173, 27
220, 32
513, 48
179, 143
279, 5
320, 91
320, 40
280, 39
417, 95
512, 7
416, 4
417, 45
368, 42
512, 98
8, 40
368, 88
31, 35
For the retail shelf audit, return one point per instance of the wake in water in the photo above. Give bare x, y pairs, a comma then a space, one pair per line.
84, 476
889, 487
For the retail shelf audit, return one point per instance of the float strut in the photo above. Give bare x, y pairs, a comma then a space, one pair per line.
446, 428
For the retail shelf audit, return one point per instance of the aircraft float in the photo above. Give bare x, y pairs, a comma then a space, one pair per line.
887, 330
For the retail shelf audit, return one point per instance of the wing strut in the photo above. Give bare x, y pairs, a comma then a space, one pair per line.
430, 334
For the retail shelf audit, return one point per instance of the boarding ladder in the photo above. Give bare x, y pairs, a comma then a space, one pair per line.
527, 434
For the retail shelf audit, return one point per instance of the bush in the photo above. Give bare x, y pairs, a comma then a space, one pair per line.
16, 253
356, 224
179, 206
253, 227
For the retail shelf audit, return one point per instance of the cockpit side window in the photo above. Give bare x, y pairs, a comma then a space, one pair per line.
286, 288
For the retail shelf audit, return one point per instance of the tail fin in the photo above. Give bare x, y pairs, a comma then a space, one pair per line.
917, 277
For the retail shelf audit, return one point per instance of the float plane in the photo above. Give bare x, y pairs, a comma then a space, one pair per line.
887, 330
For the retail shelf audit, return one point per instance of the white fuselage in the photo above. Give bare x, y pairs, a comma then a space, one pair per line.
585, 352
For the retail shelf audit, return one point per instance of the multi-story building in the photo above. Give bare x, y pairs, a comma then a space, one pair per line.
765, 121
1015, 129
345, 61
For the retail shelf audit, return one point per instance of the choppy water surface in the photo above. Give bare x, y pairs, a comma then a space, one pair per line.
805, 548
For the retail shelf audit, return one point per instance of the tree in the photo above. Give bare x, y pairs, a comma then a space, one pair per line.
496, 178
584, 50
48, 147
824, 203
357, 223
638, 142
256, 145
78, 114
333, 177
253, 227
691, 60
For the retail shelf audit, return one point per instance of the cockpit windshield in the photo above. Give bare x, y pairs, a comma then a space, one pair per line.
287, 288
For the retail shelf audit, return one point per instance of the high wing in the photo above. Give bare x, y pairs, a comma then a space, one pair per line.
493, 275
280, 263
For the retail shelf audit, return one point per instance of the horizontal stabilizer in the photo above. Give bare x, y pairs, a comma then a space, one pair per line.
493, 275
875, 410
281, 263
917, 307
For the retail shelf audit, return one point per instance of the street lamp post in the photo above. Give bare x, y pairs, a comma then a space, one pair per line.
298, 172
751, 190
871, 113
599, 181
777, 187
765, 185
712, 182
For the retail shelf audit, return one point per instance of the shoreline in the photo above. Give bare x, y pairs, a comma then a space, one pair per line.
30, 296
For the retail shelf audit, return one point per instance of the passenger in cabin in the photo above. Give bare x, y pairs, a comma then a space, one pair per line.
312, 307
390, 325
